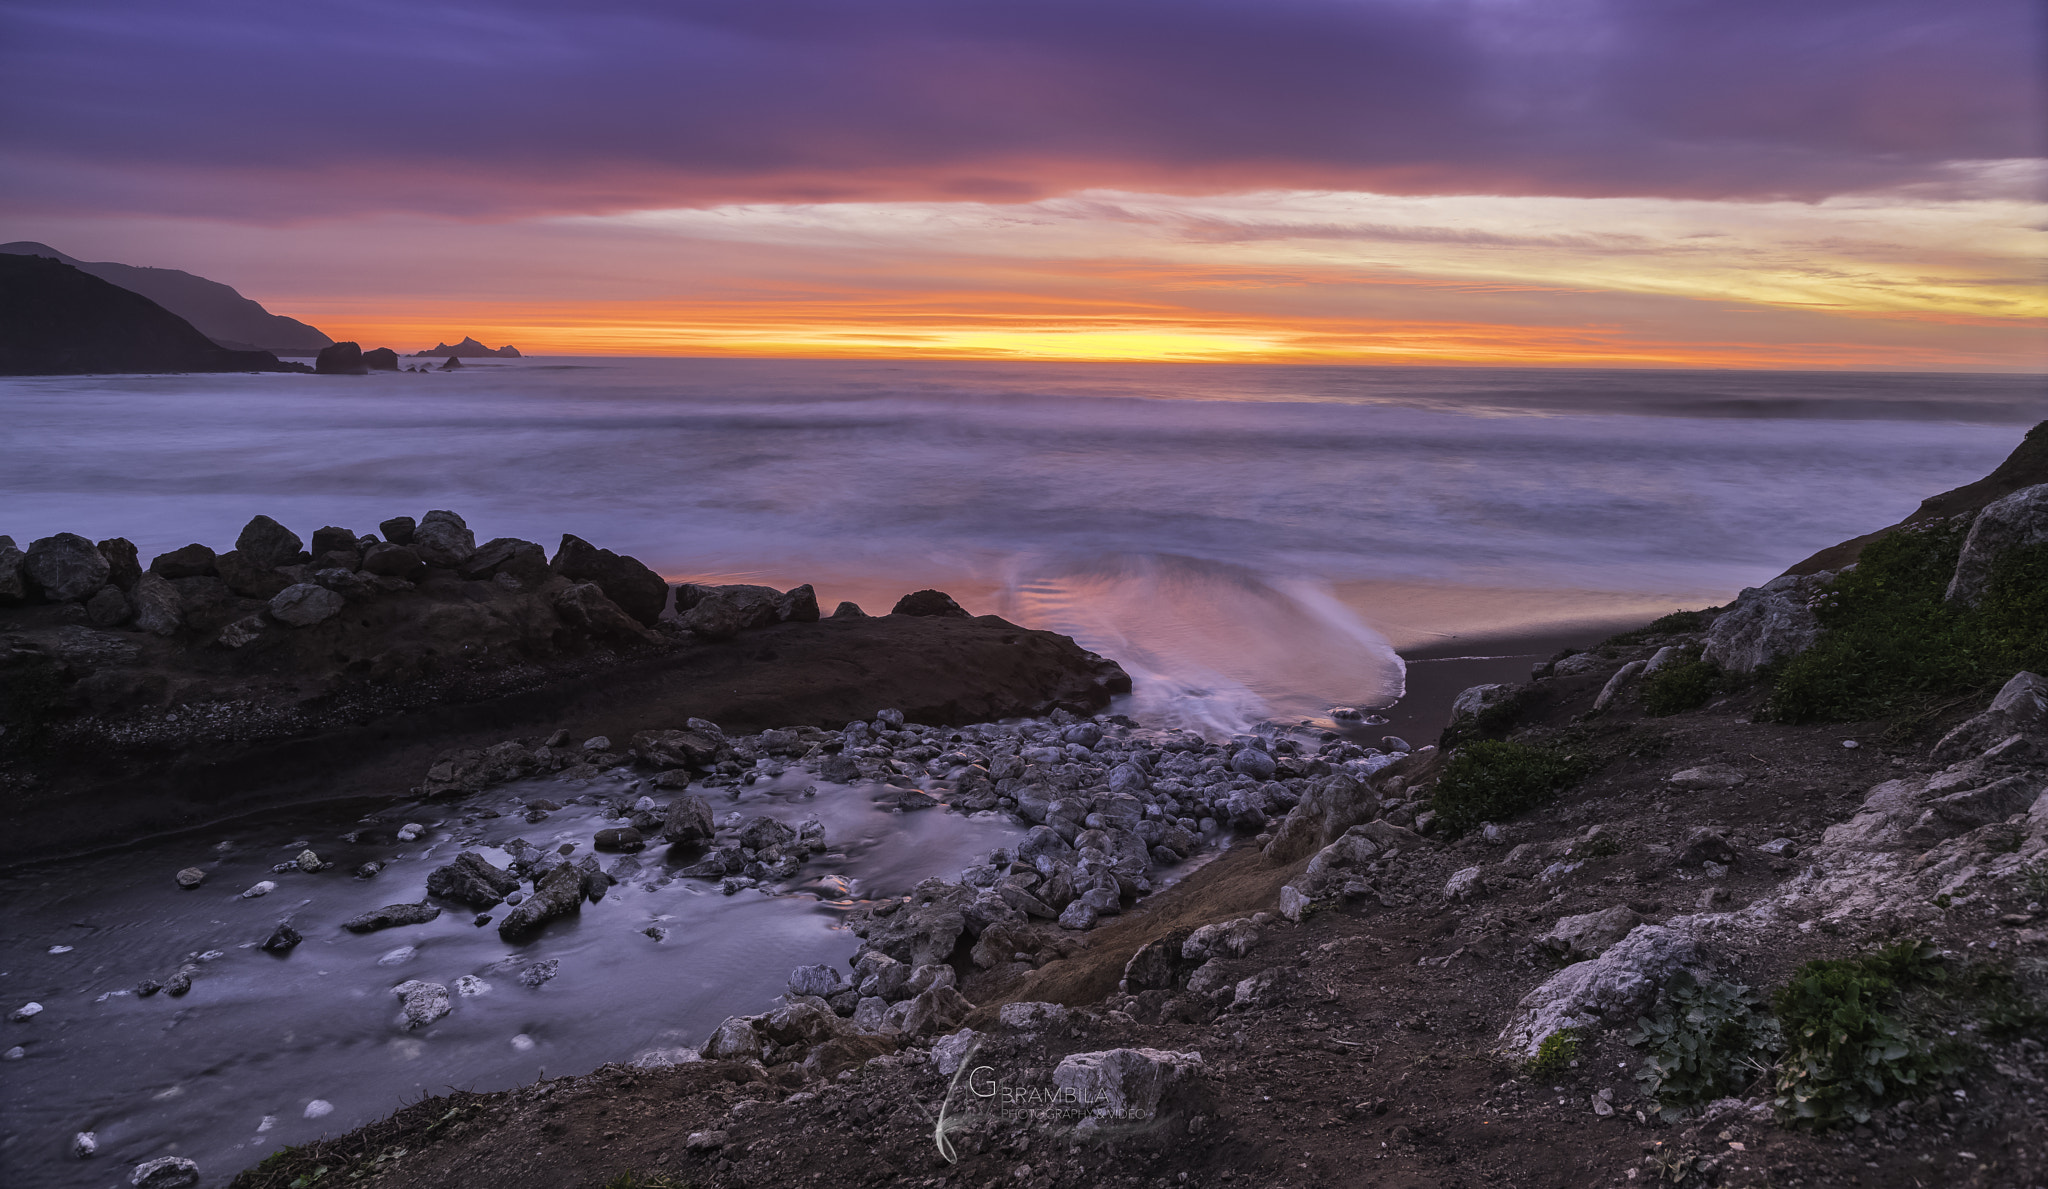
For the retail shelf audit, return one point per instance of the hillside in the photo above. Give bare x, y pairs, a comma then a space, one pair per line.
216, 310
57, 320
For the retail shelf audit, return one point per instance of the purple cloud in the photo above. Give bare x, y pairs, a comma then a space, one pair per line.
245, 109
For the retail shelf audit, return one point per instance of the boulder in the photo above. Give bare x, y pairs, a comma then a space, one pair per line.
442, 539
391, 916
821, 981
558, 894
584, 606
2021, 707
722, 612
679, 749
733, 1040
624, 839
340, 359
1228, 939
282, 939
123, 567
1612, 988
13, 582
689, 820
1468, 883
1590, 934
1707, 776
248, 579
394, 561
1030, 1016
922, 931
2016, 520
1704, 844
472, 880
65, 568
109, 608
193, 561
764, 833
939, 1009
1253, 762
380, 359
1125, 1084
523, 560
398, 530
190, 877
1763, 626
950, 1052
1161, 964
1615, 684
848, 611
469, 770
424, 1002
1332, 805
304, 604
929, 603
799, 605
639, 591
330, 539
266, 544
158, 608
165, 1172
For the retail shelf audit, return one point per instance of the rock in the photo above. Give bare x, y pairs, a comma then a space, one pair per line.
165, 1172
722, 612
442, 539
1394, 743
193, 561
585, 606
940, 1009
1591, 934
689, 820
848, 611
246, 578
124, 568
679, 749
1292, 903
282, 939
262, 888
382, 359
190, 877
1034, 1017
799, 605
473, 881
393, 560
1079, 916
13, 582
468, 771
25, 1011
1160, 964
242, 632
85, 1145
1615, 684
951, 1050
705, 1141
266, 544
523, 560
304, 604
624, 839
733, 1040
1703, 844
637, 590
424, 1002
341, 359
410, 831
392, 916
1611, 988
1707, 776
1332, 805
1466, 884
1780, 848
1126, 1084
1230, 939
880, 976
398, 530
930, 603
762, 833
1252, 762
2011, 522
538, 973
558, 894
1762, 626
65, 568
1268, 988
821, 981
157, 607
2021, 707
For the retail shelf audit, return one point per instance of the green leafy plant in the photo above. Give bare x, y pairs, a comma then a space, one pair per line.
1556, 1053
1891, 641
1680, 685
1847, 1053
1703, 1041
2034, 879
1493, 780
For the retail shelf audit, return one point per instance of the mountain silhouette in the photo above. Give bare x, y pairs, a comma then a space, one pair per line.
220, 313
469, 348
56, 320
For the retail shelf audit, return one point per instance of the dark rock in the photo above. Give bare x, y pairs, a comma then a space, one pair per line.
763, 833
558, 894
1705, 845
13, 582
266, 543
391, 916
350, 585
639, 591
123, 569
109, 608
930, 602
56, 320
470, 770
472, 880
689, 820
722, 612
381, 359
442, 539
282, 939
349, 560
165, 1172
248, 579
523, 560
450, 365
620, 839
193, 561
66, 567
677, 749
332, 540
468, 348
214, 310
798, 606
341, 359
585, 606
848, 611
304, 604
2008, 523
398, 530
394, 561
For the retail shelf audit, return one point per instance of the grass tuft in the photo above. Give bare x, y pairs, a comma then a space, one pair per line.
1493, 780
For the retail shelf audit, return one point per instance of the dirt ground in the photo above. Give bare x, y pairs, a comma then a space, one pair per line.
1374, 1059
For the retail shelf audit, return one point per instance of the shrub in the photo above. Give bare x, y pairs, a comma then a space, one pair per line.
1847, 1054
1493, 780
1680, 685
1556, 1053
1702, 1043
1890, 640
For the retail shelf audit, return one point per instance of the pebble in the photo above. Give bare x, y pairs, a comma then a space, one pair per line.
60, 949
522, 1042
410, 831
319, 1108
264, 888
14, 1054
190, 877
470, 984
399, 956
25, 1011
85, 1145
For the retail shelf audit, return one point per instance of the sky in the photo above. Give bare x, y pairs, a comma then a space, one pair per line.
1852, 184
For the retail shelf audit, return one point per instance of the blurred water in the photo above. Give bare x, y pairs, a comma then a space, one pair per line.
1244, 539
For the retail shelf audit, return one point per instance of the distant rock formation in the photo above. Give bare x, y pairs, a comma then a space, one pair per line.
453, 362
469, 348
341, 359
383, 359
56, 320
216, 310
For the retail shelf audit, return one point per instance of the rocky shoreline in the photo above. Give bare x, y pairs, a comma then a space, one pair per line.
1417, 976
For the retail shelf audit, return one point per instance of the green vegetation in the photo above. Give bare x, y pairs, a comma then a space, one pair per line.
1556, 1053
1848, 1054
1491, 723
1890, 643
1681, 685
2034, 878
1702, 1043
1493, 780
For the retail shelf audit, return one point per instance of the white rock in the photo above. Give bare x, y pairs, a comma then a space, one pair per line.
1708, 776
522, 1042
1232, 939
1612, 987
410, 831
165, 1172
14, 1054
820, 980
424, 1002
1763, 626
2006, 523
1292, 903
1466, 884
319, 1108
1615, 684
733, 1040
264, 888
1032, 1016
470, 984
26, 1010
950, 1050
1124, 1083
399, 956
85, 1145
